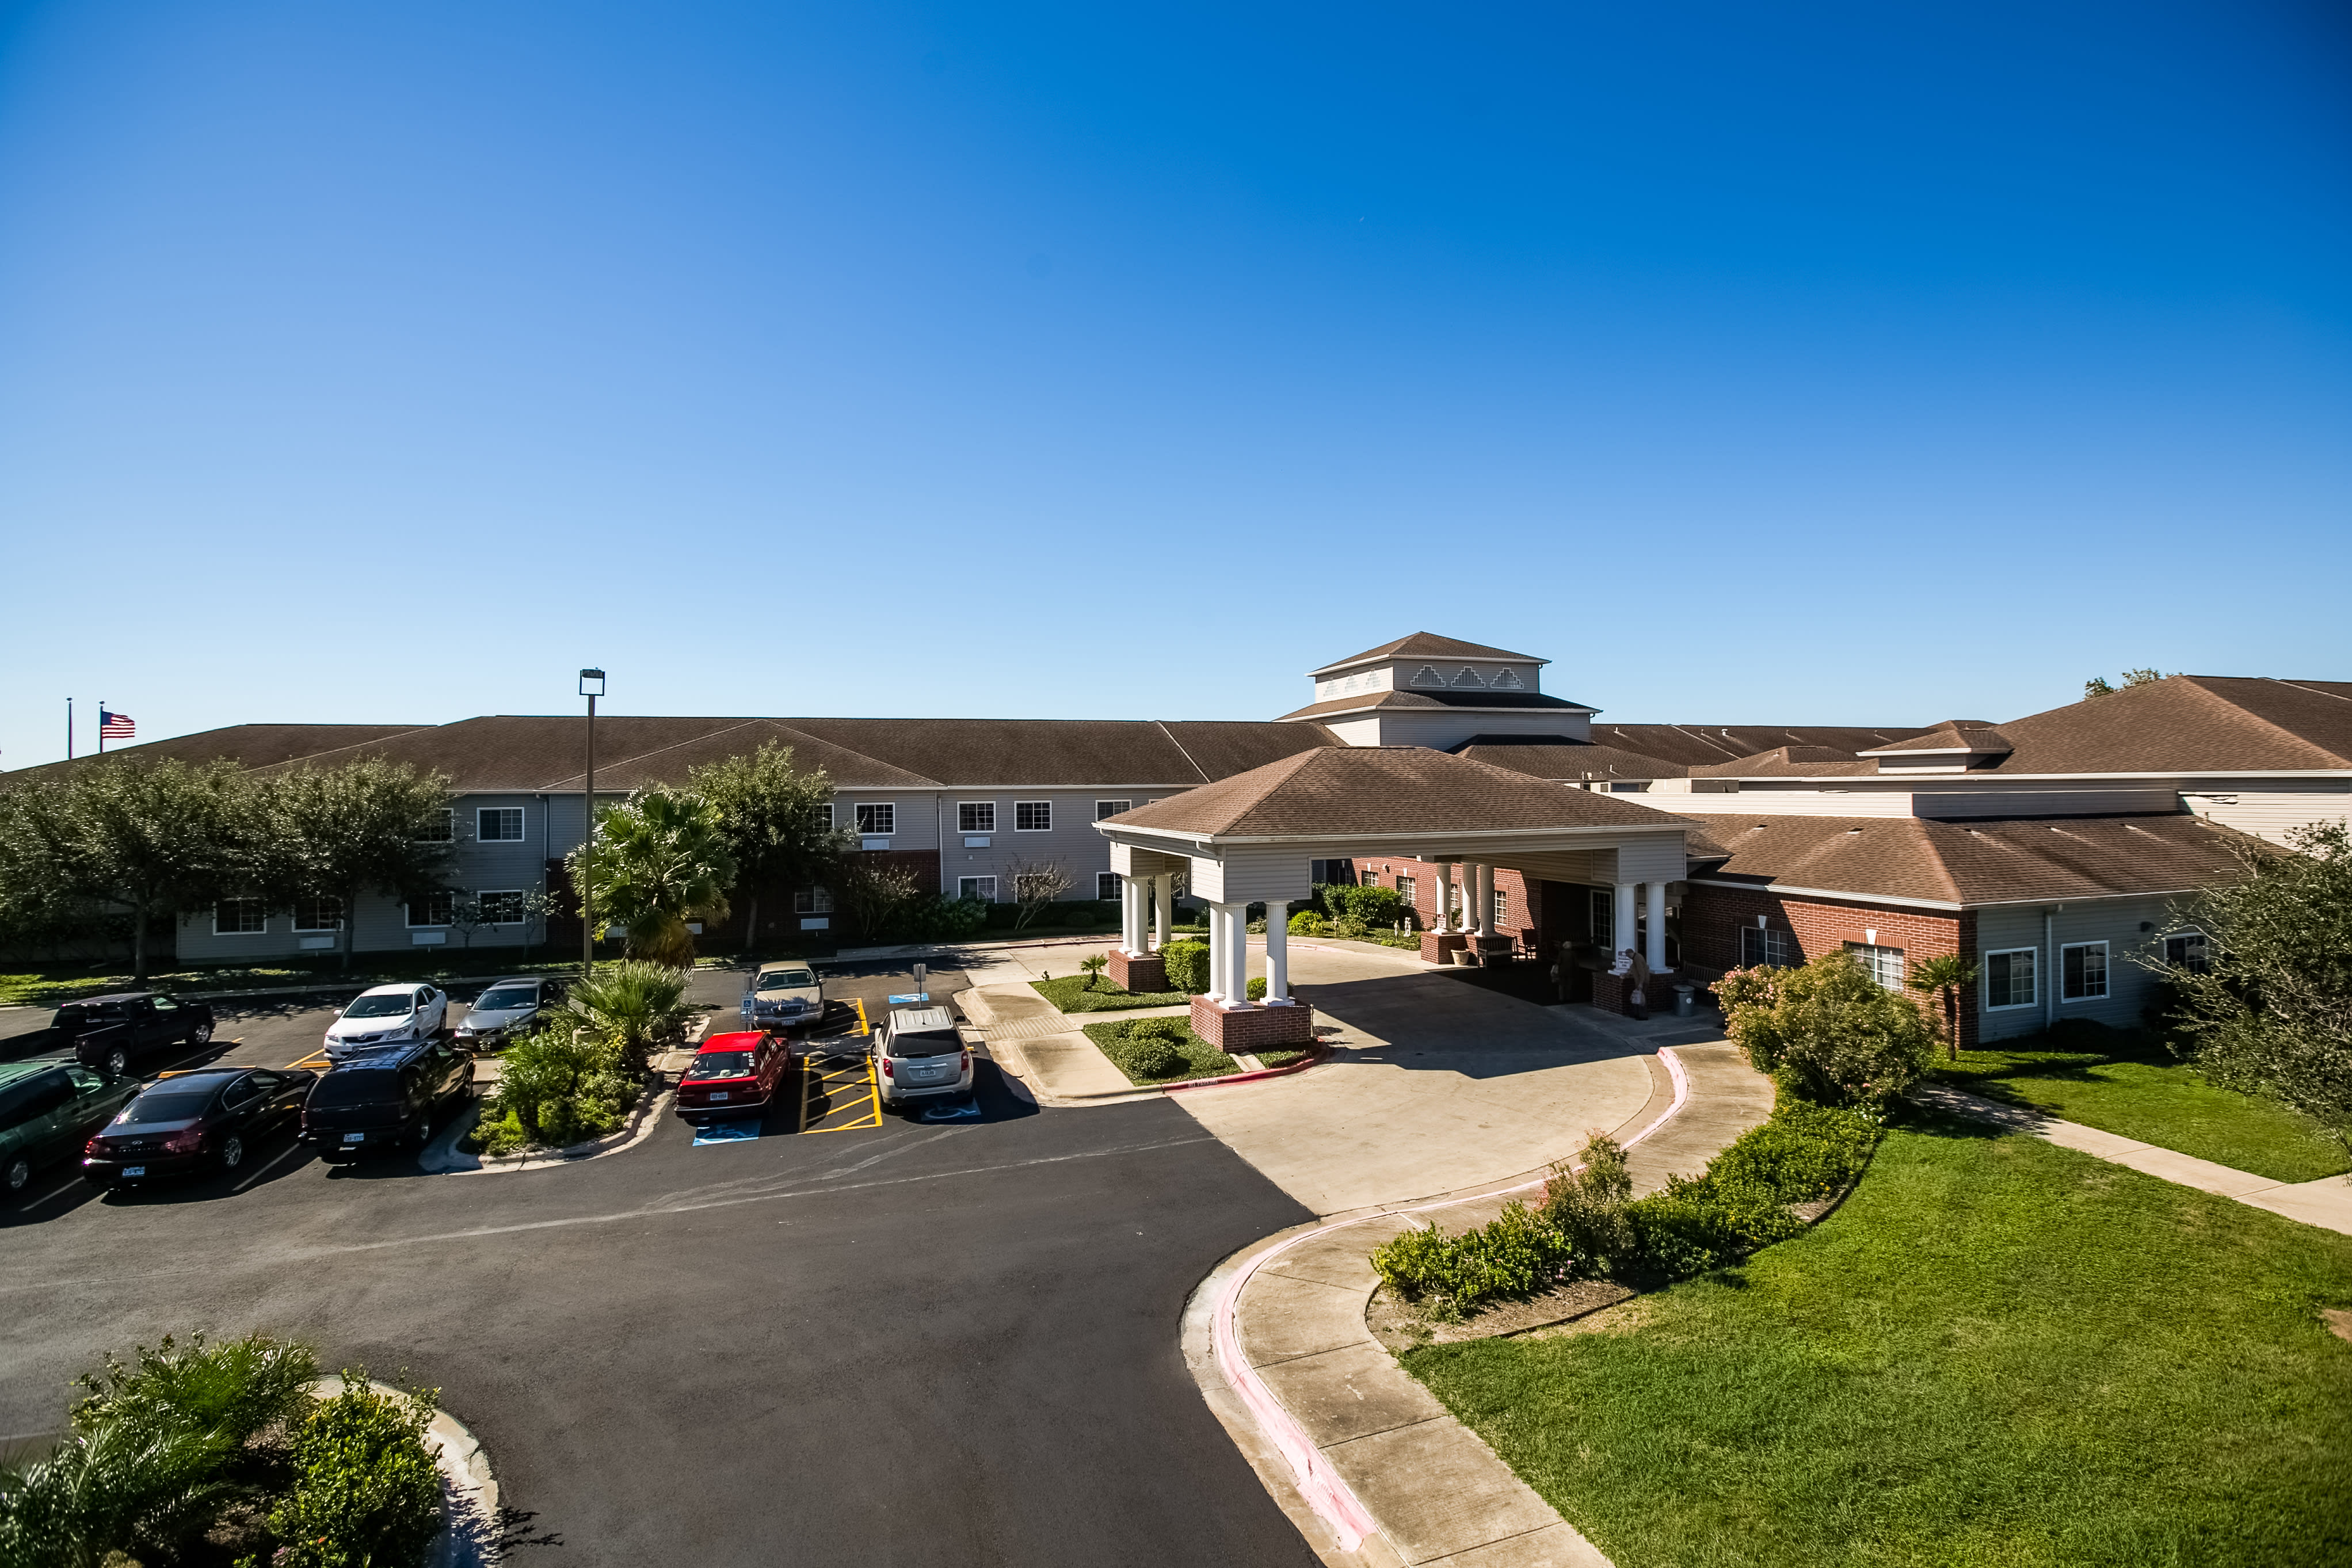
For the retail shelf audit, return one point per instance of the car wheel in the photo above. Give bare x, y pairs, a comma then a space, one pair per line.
232, 1153
118, 1062
19, 1175
202, 1035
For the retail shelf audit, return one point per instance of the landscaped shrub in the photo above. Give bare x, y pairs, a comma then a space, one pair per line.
1828, 1030
1308, 922
1256, 989
1151, 1047
1519, 1252
1188, 966
634, 1005
365, 1494
1699, 1223
943, 919
1804, 1152
1588, 1206
557, 1086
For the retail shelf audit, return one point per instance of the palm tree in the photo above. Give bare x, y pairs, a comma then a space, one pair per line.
659, 859
1094, 964
1949, 974
634, 1005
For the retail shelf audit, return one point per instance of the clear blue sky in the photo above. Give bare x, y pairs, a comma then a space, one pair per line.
1820, 362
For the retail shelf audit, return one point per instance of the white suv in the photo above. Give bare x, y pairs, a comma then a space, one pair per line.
918, 1056
386, 1018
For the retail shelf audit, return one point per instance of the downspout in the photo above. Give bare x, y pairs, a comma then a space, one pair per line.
542, 875
940, 821
2050, 956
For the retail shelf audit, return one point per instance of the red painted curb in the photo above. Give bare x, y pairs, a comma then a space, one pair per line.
1317, 1054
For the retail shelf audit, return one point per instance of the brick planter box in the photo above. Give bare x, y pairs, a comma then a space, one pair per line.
1437, 948
1255, 1027
1149, 973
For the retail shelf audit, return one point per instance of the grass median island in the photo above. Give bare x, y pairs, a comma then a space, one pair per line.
1996, 1351
2127, 1085
1071, 995
1158, 1051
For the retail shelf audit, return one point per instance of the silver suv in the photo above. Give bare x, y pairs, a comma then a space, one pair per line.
783, 995
918, 1056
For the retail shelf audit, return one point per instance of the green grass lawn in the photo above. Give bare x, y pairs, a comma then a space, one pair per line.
1998, 1352
1202, 1060
1069, 993
2156, 1100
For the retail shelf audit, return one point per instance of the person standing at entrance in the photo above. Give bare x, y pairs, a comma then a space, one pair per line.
1637, 1001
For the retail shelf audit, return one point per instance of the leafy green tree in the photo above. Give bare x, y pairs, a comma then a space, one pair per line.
366, 1493
2267, 1008
1094, 964
369, 826
1829, 1029
775, 822
1945, 975
658, 860
148, 839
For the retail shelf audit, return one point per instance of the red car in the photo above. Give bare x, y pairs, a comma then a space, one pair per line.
733, 1073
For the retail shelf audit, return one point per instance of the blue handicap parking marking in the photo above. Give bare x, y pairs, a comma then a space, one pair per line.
968, 1111
729, 1131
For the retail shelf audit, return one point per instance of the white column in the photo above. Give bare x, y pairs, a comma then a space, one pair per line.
1237, 923
1445, 879
1163, 898
1622, 907
1217, 952
1486, 899
1277, 952
1127, 942
1657, 916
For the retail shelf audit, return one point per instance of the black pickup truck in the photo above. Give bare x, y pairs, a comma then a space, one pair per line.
112, 1032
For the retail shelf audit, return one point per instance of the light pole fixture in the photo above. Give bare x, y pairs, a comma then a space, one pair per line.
591, 686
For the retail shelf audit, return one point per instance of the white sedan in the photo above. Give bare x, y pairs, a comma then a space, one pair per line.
387, 1016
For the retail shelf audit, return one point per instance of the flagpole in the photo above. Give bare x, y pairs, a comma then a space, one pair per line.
101, 726
69, 729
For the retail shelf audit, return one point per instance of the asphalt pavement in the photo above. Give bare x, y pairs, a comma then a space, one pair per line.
897, 1343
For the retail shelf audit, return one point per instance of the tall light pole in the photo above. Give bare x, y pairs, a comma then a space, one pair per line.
591, 686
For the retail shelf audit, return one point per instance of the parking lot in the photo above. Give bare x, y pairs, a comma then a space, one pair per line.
916, 1322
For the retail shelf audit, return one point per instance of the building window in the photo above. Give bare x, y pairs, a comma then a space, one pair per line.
1340, 871
1408, 888
2082, 971
1885, 964
318, 911
2009, 978
2185, 950
1106, 886
240, 917
1508, 681
498, 825
1502, 907
976, 817
433, 909
1427, 676
1466, 676
441, 827
1605, 918
503, 908
811, 901
982, 888
824, 816
1111, 808
1033, 816
876, 820
1766, 949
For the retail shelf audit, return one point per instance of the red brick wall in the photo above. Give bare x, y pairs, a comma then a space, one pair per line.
1253, 1028
1714, 916
1385, 869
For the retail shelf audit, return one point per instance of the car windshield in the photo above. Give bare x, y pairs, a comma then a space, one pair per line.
506, 998
169, 1106
786, 979
356, 1086
925, 1045
719, 1064
378, 1007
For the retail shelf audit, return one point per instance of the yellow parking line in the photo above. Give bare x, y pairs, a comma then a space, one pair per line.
808, 1092
863, 1026
873, 1088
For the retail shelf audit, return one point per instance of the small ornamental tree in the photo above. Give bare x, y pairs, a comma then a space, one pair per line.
2266, 1009
1035, 884
369, 826
775, 822
1094, 964
1828, 1031
874, 895
1945, 975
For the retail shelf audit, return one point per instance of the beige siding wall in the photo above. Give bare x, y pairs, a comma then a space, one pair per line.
2115, 922
2271, 807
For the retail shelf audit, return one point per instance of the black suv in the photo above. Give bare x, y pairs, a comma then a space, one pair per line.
386, 1101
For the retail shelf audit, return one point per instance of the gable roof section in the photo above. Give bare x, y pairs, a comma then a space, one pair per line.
2190, 724
1953, 736
1383, 790
2020, 860
1005, 753
1427, 645
1696, 743
1560, 757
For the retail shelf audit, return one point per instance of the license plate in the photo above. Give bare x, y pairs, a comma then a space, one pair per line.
134, 1170
716, 1098
355, 1137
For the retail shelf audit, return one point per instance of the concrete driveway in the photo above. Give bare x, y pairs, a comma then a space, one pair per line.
1433, 1085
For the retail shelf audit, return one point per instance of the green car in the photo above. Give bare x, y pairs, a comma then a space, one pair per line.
49, 1110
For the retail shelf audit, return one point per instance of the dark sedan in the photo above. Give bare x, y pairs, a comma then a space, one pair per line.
195, 1121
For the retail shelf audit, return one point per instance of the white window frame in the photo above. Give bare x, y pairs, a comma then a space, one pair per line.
449, 833
2107, 973
522, 826
1111, 808
1766, 939
886, 810
828, 809
2204, 943
323, 900
522, 915
1106, 889
1021, 806
1410, 887
811, 901
1871, 957
260, 930
408, 910
1502, 907
2034, 980
972, 886
983, 819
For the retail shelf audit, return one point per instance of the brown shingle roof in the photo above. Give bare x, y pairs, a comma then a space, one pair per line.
1789, 762
1558, 756
253, 745
1435, 699
1973, 736
1429, 644
2191, 724
1697, 744
1384, 790
2003, 861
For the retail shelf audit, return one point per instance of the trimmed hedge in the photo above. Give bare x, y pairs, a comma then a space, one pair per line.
1188, 966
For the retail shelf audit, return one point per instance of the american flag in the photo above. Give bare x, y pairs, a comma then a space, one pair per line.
116, 727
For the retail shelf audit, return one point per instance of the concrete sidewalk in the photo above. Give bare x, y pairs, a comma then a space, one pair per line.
2327, 1203
1387, 1464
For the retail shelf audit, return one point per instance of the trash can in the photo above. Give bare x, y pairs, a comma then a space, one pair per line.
1686, 1003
